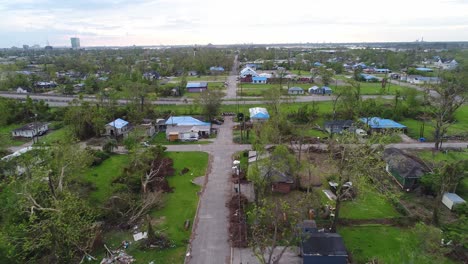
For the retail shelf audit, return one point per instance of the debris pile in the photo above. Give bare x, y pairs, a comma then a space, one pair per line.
237, 221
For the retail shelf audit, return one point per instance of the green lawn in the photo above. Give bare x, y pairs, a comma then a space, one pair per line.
368, 204
55, 136
5, 131
179, 205
386, 243
459, 127
103, 175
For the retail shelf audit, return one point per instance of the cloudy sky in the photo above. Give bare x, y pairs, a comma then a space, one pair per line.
154, 22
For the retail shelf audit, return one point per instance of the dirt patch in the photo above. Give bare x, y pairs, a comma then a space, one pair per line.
200, 181
319, 170
237, 221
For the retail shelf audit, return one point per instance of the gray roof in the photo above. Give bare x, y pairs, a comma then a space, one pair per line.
31, 126
405, 165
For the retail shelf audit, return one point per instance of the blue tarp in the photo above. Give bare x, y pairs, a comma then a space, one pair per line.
424, 69
377, 122
185, 121
197, 85
258, 113
118, 123
259, 79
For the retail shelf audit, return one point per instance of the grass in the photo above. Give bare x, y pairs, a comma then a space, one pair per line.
459, 127
103, 175
55, 136
386, 243
9, 141
179, 205
369, 204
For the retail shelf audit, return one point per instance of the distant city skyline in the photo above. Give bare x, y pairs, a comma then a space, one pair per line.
187, 22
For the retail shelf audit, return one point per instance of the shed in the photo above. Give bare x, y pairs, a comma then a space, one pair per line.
295, 90
258, 114
323, 248
451, 200
196, 87
338, 126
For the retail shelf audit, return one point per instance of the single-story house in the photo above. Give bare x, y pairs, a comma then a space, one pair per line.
248, 72
31, 130
377, 123
404, 168
338, 126
215, 69
418, 79
382, 71
45, 85
196, 87
192, 73
424, 69
259, 79
368, 77
295, 90
451, 200
151, 75
323, 248
280, 181
186, 128
23, 90
117, 128
320, 90
258, 114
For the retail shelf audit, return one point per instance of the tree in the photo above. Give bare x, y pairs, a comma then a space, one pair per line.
444, 100
354, 162
326, 75
275, 224
210, 103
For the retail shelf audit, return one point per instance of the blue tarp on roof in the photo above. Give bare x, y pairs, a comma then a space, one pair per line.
197, 85
214, 68
368, 77
258, 113
377, 122
259, 79
318, 64
118, 123
424, 69
185, 121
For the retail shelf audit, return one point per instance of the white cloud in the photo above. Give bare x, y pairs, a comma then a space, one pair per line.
194, 21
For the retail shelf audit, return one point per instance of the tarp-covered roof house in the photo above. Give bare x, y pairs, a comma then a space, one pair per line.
258, 114
186, 127
406, 169
117, 127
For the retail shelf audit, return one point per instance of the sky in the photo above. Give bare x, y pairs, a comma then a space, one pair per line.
187, 22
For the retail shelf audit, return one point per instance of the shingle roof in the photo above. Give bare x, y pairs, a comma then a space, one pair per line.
324, 244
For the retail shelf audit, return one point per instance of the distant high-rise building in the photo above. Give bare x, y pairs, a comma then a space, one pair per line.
75, 43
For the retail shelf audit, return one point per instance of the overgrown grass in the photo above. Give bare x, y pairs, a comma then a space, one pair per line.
369, 204
103, 175
55, 136
180, 205
388, 244
9, 141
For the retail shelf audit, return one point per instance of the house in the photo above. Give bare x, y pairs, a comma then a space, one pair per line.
151, 75
196, 87
149, 127
423, 69
192, 73
382, 71
45, 85
160, 125
281, 182
295, 90
186, 128
246, 72
404, 168
451, 200
258, 114
320, 90
338, 126
31, 130
23, 90
117, 128
378, 124
313, 90
326, 90
216, 69
259, 79
418, 79
369, 78
320, 247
